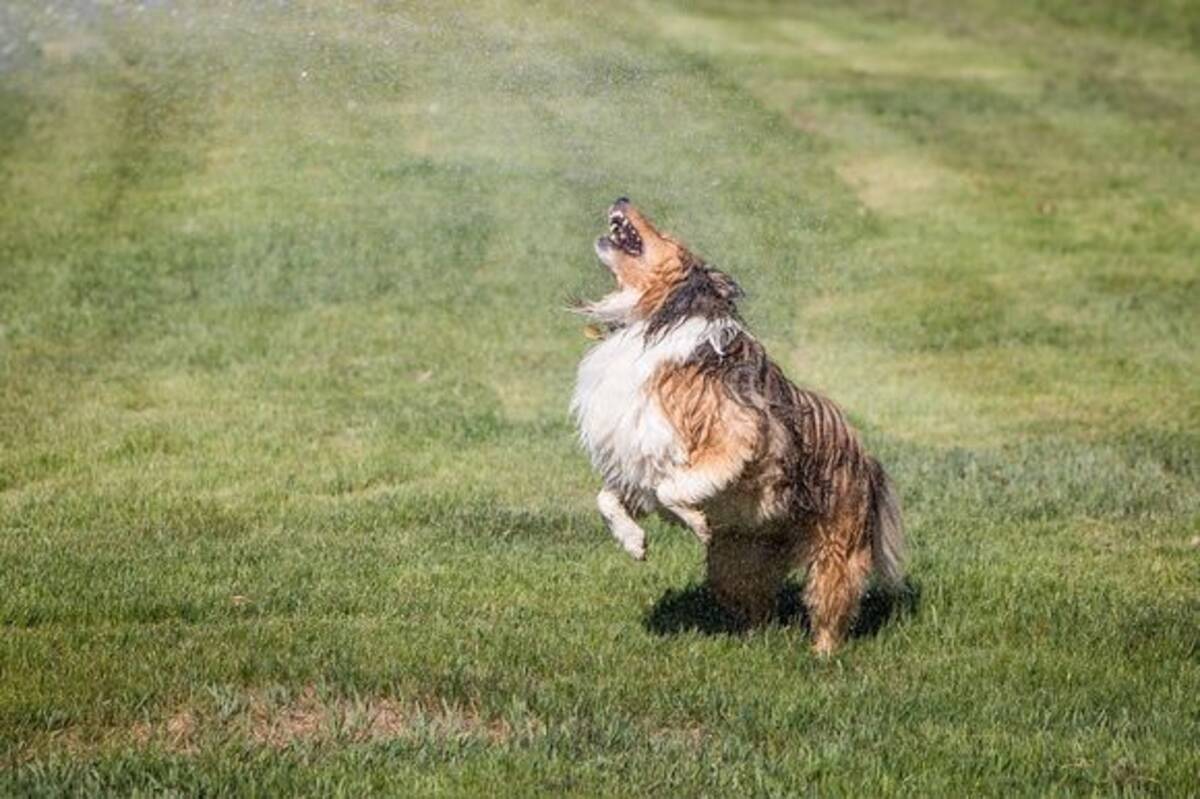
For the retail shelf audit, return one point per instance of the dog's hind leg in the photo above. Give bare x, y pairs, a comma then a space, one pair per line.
621, 524
745, 573
839, 564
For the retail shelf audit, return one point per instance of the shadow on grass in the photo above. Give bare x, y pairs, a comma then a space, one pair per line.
695, 609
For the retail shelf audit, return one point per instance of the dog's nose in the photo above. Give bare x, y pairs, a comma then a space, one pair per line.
621, 201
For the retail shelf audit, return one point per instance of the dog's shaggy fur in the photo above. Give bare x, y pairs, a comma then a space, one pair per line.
683, 412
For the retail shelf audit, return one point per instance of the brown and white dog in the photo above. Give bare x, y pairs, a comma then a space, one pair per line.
683, 412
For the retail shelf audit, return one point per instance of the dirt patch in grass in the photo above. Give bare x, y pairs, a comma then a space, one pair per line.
176, 734
691, 738
308, 718
312, 718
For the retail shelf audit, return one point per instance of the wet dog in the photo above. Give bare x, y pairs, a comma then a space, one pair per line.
683, 413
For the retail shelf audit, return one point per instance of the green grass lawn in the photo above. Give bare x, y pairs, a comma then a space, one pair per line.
289, 496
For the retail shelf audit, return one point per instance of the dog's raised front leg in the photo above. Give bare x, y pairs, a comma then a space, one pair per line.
623, 526
682, 495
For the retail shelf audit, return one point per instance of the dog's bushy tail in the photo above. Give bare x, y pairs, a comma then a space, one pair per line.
887, 529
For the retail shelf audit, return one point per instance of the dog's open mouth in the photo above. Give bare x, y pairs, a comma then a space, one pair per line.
623, 234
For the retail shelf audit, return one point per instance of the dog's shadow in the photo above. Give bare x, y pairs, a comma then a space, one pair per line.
695, 609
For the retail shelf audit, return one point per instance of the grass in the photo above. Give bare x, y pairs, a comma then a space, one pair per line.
289, 498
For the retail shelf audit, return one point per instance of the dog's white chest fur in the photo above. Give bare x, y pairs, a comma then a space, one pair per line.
630, 440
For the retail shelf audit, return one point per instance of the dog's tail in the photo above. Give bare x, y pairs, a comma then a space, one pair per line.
886, 528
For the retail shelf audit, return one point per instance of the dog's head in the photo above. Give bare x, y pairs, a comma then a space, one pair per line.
655, 273
637, 253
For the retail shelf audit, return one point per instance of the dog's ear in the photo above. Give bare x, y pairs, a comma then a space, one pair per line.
727, 287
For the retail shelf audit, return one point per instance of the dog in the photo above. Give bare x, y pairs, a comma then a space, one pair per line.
683, 413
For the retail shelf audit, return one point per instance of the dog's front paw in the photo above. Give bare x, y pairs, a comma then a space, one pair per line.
628, 532
632, 538
636, 549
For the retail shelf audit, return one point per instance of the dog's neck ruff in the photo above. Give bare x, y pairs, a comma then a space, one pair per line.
621, 424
